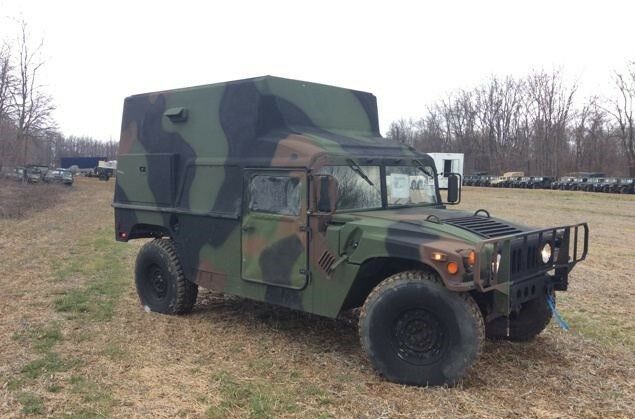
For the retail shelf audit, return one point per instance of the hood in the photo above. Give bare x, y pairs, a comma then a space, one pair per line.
460, 225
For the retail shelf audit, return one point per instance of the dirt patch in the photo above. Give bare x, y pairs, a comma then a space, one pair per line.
74, 340
17, 199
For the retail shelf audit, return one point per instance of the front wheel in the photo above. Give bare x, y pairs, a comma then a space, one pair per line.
161, 284
417, 332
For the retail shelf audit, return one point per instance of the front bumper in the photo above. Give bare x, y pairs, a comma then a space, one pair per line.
511, 267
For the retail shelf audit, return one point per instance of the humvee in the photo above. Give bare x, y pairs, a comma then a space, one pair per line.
285, 192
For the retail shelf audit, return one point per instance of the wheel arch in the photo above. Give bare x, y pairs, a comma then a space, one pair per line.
373, 271
143, 231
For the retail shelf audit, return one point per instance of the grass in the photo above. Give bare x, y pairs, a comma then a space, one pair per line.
50, 363
602, 328
254, 399
100, 262
17, 199
31, 403
41, 338
97, 261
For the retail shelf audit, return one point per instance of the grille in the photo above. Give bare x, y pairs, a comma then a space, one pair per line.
531, 259
483, 226
326, 261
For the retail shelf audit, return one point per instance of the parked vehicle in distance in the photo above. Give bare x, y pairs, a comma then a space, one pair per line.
467, 180
540, 182
579, 184
509, 182
504, 180
521, 183
627, 186
289, 195
567, 186
471, 180
591, 184
61, 176
34, 174
609, 184
485, 181
496, 181
17, 174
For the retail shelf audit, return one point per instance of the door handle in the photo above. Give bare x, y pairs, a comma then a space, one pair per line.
248, 228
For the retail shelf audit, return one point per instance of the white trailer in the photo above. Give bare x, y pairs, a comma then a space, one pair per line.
447, 163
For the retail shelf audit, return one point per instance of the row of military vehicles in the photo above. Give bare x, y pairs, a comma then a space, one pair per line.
40, 174
583, 181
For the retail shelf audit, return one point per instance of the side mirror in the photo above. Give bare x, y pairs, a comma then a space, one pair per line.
454, 189
325, 193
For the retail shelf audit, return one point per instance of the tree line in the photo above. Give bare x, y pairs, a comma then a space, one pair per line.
28, 132
533, 124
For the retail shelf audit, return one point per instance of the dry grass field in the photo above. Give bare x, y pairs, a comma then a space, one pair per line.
74, 342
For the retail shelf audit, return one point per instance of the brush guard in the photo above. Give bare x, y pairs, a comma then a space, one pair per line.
512, 268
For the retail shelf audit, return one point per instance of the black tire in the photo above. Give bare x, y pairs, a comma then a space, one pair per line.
161, 284
415, 331
525, 325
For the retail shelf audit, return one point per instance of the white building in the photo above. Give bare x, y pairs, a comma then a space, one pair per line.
447, 163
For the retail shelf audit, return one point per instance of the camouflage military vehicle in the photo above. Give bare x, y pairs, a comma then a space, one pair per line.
285, 192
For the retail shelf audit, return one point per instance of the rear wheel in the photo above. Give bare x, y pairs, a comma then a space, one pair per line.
416, 332
161, 284
529, 322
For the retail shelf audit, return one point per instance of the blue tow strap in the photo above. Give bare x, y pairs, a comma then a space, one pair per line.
554, 311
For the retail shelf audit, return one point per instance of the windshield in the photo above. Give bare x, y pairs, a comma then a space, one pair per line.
407, 185
360, 187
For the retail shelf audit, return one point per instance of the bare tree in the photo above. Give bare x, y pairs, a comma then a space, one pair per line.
6, 85
33, 107
621, 109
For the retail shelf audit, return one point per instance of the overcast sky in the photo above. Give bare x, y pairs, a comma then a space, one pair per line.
408, 53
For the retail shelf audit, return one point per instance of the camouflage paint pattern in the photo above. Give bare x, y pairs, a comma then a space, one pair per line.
187, 156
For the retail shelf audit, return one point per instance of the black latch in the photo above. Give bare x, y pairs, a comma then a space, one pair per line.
176, 114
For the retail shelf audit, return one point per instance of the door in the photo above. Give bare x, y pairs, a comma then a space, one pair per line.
274, 229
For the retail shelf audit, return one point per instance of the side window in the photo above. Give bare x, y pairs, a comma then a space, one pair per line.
275, 194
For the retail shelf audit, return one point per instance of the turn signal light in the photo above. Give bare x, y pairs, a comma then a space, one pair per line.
453, 268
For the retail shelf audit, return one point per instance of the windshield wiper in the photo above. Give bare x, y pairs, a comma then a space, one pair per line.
421, 167
357, 169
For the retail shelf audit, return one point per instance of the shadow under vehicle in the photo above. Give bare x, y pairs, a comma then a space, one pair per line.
284, 191
61, 176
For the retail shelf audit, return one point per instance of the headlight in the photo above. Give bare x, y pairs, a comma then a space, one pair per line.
496, 263
545, 253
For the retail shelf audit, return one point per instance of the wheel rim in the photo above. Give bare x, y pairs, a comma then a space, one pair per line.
419, 336
158, 285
